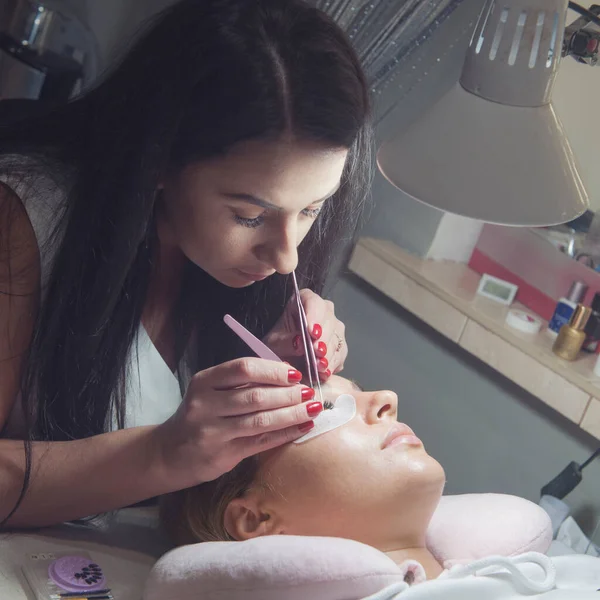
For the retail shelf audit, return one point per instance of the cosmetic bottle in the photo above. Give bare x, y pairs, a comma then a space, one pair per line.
592, 329
571, 336
566, 306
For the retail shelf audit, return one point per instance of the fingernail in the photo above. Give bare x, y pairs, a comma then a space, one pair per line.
321, 349
317, 331
327, 373
296, 342
305, 427
294, 376
307, 394
323, 364
313, 409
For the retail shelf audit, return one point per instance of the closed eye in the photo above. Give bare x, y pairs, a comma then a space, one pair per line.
311, 213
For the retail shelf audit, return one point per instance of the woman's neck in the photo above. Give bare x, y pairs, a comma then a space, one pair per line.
163, 291
422, 555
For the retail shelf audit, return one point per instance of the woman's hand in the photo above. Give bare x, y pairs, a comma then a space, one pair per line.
233, 411
327, 332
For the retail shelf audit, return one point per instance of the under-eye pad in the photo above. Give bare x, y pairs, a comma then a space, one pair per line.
343, 411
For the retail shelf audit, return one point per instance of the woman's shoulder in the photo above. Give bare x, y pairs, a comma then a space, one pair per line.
42, 188
34, 177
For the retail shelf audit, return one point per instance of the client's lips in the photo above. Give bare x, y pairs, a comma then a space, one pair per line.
400, 433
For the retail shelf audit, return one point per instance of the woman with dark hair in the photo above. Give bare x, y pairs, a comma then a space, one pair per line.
230, 147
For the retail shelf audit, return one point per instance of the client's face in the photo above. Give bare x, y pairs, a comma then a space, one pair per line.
366, 480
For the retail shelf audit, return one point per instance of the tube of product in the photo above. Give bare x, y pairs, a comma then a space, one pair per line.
566, 306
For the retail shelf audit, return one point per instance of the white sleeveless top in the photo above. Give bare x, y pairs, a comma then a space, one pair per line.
153, 392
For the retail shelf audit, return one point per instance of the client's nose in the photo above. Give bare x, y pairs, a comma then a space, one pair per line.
383, 405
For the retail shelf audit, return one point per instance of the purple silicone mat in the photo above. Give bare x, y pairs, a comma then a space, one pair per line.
76, 574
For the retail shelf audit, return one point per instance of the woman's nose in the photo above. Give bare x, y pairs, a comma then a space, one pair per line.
281, 253
383, 405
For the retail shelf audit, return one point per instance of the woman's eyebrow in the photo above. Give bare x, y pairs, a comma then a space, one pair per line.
250, 199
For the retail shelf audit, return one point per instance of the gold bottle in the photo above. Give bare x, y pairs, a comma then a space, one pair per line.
571, 337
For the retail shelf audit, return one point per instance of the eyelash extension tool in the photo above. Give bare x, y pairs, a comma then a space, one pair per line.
309, 351
261, 349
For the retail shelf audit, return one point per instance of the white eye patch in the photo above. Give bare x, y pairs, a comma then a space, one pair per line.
343, 411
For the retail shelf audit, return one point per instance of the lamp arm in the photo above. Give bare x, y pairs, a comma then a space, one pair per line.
582, 37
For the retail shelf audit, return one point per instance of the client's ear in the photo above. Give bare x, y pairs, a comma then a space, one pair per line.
245, 519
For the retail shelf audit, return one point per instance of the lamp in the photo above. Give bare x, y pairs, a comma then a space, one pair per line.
493, 148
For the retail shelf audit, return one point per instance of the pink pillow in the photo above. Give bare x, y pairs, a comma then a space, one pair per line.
272, 568
464, 528
471, 526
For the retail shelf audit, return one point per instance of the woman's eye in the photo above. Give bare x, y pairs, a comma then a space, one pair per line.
251, 223
313, 213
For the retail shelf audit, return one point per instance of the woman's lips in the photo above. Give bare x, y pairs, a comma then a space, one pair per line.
254, 276
400, 433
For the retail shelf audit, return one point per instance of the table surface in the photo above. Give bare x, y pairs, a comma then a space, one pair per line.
126, 549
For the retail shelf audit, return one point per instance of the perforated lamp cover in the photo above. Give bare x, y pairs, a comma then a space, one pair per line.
493, 148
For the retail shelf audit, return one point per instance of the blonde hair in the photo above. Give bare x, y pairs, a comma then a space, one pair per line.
197, 514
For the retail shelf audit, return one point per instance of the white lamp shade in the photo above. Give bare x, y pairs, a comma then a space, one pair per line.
495, 163
493, 148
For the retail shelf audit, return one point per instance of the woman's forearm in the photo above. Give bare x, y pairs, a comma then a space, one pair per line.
71, 480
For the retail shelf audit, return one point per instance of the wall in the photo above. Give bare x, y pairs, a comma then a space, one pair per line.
114, 22
420, 82
107, 19
575, 99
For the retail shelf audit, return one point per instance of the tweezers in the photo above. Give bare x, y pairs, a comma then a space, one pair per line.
264, 351
309, 351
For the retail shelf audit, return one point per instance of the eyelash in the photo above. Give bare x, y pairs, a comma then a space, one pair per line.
311, 213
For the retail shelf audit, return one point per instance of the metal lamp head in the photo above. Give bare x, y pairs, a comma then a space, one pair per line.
493, 148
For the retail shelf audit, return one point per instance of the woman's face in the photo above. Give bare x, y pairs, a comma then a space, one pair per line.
350, 482
242, 217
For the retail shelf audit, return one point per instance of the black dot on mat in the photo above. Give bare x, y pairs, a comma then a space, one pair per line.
89, 581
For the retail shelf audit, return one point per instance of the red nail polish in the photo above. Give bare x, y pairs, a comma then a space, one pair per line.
323, 363
327, 373
321, 350
313, 409
317, 331
294, 376
307, 394
306, 427
296, 342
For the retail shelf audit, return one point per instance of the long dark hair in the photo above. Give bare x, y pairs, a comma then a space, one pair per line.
206, 75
